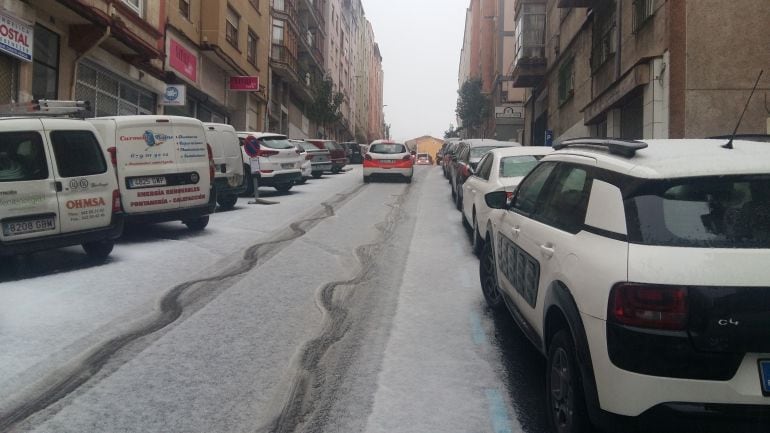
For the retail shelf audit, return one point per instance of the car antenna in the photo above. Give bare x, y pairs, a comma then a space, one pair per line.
729, 144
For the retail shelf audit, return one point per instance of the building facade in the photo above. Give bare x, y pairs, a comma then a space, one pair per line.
640, 69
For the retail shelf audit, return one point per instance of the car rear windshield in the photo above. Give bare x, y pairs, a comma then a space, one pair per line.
276, 142
331, 145
478, 152
308, 146
389, 148
78, 153
713, 212
22, 157
518, 166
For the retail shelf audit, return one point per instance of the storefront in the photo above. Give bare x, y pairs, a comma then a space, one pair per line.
16, 46
110, 94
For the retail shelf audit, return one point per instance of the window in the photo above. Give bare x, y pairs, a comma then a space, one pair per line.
279, 5
135, 5
78, 153
566, 80
530, 32
518, 166
110, 95
485, 166
566, 201
22, 157
604, 29
278, 31
531, 188
251, 47
9, 78
45, 67
390, 149
478, 152
642, 11
231, 27
184, 8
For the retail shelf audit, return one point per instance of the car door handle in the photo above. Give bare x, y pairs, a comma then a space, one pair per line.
547, 251
58, 186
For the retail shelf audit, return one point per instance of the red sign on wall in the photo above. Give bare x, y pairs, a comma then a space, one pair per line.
244, 84
183, 61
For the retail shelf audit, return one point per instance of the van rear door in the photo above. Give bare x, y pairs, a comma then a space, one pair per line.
28, 203
193, 162
81, 167
232, 152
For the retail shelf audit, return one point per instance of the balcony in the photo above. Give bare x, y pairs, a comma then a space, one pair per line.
310, 45
529, 65
311, 14
286, 10
284, 62
575, 3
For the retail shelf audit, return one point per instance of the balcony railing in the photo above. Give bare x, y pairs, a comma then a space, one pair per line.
288, 10
281, 54
530, 60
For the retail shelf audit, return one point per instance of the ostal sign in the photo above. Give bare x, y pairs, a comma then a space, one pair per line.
16, 37
244, 84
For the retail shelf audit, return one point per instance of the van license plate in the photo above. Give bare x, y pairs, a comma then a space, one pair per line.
764, 374
144, 182
31, 226
287, 165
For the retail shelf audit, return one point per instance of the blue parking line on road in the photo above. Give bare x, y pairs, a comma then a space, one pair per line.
479, 337
498, 412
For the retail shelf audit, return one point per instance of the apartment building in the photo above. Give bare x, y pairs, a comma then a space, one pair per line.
297, 63
216, 51
640, 68
108, 52
376, 107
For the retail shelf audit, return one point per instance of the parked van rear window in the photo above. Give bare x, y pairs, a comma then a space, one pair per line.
77, 153
718, 212
22, 157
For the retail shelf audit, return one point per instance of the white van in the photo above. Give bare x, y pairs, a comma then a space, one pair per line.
228, 160
165, 168
57, 188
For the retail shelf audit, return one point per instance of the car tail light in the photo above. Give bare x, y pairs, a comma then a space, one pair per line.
265, 153
116, 207
212, 166
649, 306
113, 155
368, 157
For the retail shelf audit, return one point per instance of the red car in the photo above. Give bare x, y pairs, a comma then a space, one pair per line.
338, 154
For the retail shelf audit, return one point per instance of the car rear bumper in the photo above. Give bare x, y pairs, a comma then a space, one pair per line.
224, 188
273, 179
377, 171
111, 232
324, 166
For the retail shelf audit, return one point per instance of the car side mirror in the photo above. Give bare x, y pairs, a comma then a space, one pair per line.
497, 200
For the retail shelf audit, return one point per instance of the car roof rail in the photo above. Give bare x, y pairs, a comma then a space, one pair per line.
46, 107
616, 146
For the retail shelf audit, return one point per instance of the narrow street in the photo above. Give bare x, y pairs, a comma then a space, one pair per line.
347, 307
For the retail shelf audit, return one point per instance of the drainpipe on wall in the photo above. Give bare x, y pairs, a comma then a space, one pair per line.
618, 38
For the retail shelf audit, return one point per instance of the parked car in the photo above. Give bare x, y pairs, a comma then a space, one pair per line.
57, 187
307, 166
600, 258
388, 159
320, 159
275, 162
423, 159
229, 180
353, 152
338, 153
501, 169
448, 156
465, 160
165, 168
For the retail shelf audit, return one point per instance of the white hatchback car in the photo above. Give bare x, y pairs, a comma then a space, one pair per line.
640, 269
275, 161
387, 158
500, 169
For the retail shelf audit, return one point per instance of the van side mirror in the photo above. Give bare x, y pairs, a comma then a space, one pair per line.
497, 200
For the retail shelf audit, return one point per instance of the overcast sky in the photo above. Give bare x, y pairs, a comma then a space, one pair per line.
420, 42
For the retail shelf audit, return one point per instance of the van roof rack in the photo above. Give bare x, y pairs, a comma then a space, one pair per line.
46, 107
616, 146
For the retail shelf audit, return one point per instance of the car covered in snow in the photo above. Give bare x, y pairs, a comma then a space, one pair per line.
387, 158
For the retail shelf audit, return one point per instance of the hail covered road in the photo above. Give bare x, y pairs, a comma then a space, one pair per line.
344, 308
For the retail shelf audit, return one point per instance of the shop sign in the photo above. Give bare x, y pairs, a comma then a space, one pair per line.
175, 94
509, 112
16, 37
244, 84
183, 60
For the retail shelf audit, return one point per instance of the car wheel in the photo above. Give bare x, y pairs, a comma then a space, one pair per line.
197, 224
454, 193
249, 181
459, 199
488, 276
98, 250
227, 202
284, 187
317, 174
336, 170
366, 179
564, 392
478, 243
301, 181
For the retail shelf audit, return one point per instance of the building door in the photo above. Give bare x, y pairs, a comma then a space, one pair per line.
538, 131
111, 95
9, 79
632, 119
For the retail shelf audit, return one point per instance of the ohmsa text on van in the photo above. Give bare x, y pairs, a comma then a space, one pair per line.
57, 186
164, 165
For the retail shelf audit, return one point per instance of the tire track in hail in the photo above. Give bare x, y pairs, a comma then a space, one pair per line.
303, 404
171, 308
